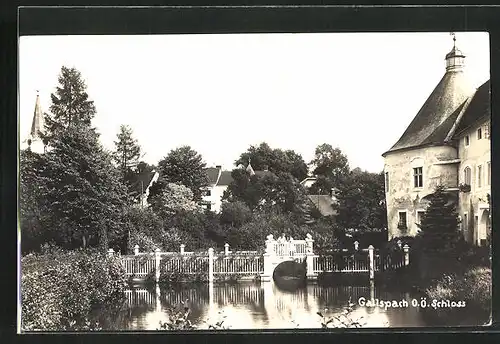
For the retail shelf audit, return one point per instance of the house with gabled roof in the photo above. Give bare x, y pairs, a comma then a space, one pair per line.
447, 143
219, 181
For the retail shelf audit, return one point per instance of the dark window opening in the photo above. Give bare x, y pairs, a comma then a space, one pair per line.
418, 178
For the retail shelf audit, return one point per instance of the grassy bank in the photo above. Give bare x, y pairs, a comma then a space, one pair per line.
61, 289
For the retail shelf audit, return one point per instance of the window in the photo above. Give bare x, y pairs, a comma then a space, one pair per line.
418, 178
467, 140
488, 173
487, 131
479, 175
420, 213
208, 192
402, 224
467, 176
386, 181
209, 207
465, 223
479, 134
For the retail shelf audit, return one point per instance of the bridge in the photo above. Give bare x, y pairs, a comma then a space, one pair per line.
211, 266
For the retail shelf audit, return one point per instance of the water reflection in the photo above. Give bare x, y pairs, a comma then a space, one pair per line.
265, 305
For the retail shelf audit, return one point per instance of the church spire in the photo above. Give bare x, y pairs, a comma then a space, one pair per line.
249, 169
455, 58
37, 124
37, 127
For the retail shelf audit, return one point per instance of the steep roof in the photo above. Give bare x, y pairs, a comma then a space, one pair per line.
225, 178
213, 174
37, 123
143, 181
432, 122
323, 203
479, 106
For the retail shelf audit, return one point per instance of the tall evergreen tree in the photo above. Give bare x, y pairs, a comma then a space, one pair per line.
70, 103
127, 150
126, 156
84, 190
439, 223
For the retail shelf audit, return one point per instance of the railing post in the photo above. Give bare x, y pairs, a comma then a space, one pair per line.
356, 245
372, 265
210, 265
111, 252
226, 249
406, 250
182, 248
309, 258
136, 250
157, 265
268, 259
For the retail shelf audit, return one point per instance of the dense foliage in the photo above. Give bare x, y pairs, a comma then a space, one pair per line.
184, 166
439, 224
83, 190
60, 289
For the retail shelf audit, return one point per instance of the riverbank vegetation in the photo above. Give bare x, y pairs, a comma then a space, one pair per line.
60, 289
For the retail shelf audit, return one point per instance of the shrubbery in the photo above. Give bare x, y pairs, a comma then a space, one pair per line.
60, 289
473, 287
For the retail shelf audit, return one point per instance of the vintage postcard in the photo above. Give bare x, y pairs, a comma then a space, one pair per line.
254, 181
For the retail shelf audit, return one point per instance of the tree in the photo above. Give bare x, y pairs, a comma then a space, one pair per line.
330, 167
361, 206
127, 150
32, 207
439, 223
235, 213
183, 166
70, 103
173, 199
268, 192
276, 160
84, 191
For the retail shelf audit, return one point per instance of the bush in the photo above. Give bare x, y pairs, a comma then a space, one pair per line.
473, 287
60, 289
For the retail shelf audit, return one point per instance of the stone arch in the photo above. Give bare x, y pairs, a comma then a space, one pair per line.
289, 271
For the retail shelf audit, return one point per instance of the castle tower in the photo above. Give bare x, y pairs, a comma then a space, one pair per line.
34, 141
425, 156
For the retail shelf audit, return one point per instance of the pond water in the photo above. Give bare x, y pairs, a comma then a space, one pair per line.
249, 305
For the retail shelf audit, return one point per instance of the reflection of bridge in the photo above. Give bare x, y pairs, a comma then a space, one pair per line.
277, 308
253, 264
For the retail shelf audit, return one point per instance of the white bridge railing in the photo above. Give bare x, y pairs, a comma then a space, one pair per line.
209, 263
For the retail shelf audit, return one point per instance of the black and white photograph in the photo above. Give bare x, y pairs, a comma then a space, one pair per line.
254, 181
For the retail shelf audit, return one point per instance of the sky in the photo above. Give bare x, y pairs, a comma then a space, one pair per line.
222, 93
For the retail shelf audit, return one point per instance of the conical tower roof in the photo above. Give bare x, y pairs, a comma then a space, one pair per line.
450, 93
249, 169
37, 123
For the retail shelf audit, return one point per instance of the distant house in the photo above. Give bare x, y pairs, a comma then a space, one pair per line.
323, 203
308, 182
141, 187
219, 180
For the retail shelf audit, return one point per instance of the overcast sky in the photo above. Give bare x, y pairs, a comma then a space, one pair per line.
222, 93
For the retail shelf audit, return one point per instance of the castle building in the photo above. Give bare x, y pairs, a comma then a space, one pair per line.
34, 141
447, 143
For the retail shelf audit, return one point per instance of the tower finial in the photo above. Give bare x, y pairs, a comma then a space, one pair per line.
454, 38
